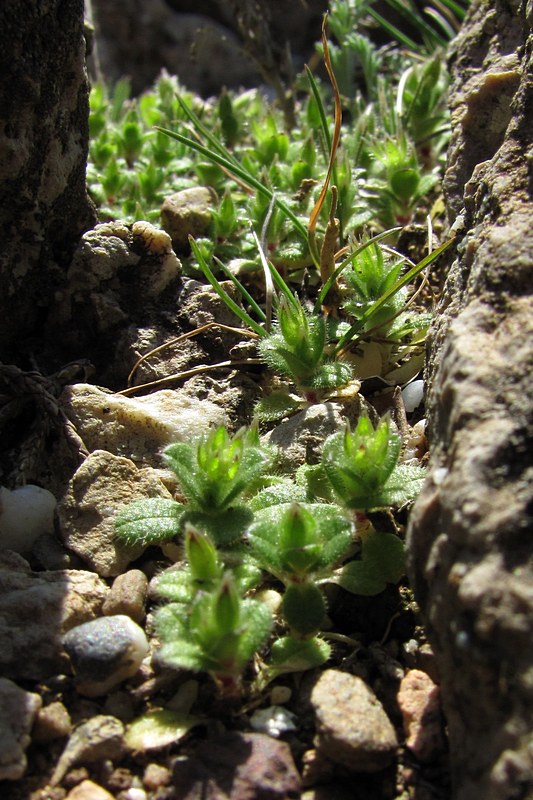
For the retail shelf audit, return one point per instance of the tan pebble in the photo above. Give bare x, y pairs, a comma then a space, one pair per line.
87, 790
127, 595
52, 722
352, 728
155, 776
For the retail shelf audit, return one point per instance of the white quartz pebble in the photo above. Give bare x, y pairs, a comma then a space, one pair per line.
413, 394
25, 514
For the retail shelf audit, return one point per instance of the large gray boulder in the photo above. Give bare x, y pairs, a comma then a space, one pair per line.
470, 536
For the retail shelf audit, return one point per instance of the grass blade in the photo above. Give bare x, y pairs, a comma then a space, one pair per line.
333, 278
313, 219
242, 289
231, 304
236, 169
400, 283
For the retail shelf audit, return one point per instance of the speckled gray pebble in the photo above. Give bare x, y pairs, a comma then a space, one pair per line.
105, 652
353, 729
127, 595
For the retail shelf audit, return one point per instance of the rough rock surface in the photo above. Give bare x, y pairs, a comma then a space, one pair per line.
353, 729
190, 45
137, 427
36, 609
44, 98
238, 766
470, 533
17, 712
118, 272
100, 488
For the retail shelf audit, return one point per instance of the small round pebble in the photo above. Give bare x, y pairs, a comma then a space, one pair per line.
52, 722
88, 790
104, 652
352, 727
25, 513
155, 776
133, 794
120, 780
127, 595
280, 695
413, 394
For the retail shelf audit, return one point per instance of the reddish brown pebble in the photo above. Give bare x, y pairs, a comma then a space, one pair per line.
419, 703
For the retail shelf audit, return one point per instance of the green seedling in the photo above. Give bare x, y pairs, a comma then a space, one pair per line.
230, 124
422, 108
371, 275
311, 216
202, 572
214, 473
299, 544
299, 541
362, 467
297, 349
219, 635
398, 176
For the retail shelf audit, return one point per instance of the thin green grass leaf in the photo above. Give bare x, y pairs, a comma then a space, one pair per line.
208, 136
395, 32
333, 278
231, 304
335, 139
442, 22
458, 10
413, 16
242, 289
236, 169
403, 281
283, 286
